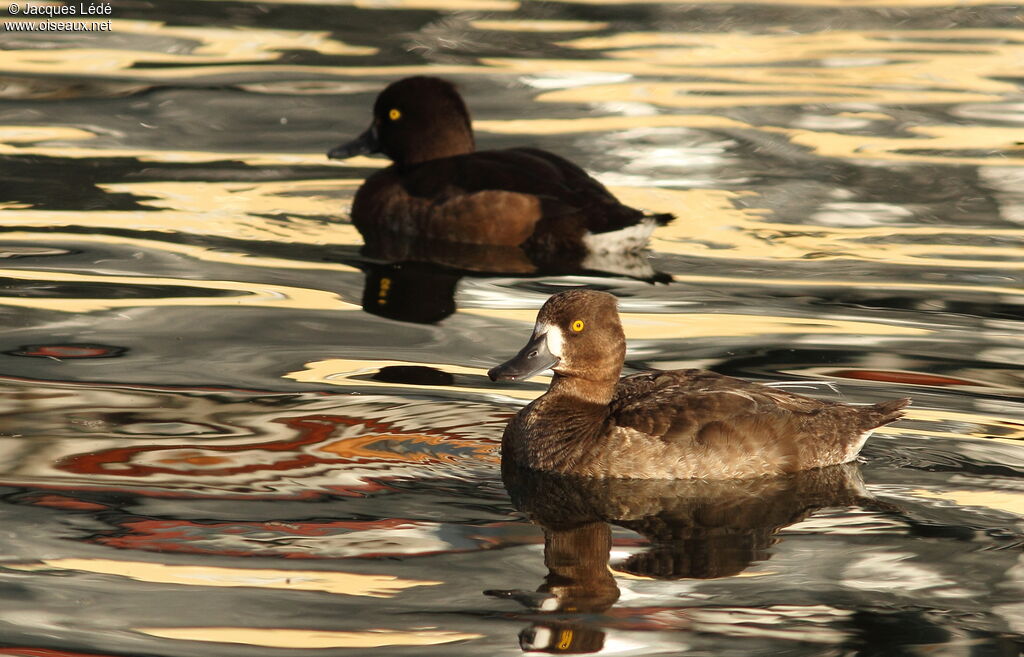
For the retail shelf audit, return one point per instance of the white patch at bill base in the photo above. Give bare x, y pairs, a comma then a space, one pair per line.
554, 339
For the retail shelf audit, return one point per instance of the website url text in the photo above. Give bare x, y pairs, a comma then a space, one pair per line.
57, 26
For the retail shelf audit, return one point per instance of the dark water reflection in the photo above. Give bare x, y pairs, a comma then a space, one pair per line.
229, 428
694, 529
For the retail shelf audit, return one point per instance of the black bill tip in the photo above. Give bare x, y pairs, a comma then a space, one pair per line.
364, 144
531, 359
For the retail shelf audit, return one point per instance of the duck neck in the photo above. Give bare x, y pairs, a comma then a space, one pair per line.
564, 425
444, 142
592, 390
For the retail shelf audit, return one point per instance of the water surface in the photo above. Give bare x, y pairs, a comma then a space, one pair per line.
228, 430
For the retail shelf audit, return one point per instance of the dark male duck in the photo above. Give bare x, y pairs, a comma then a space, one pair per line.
439, 187
663, 424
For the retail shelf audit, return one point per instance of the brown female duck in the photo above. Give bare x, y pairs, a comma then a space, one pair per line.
439, 187
666, 424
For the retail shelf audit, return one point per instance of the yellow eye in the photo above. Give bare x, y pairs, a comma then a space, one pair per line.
577, 325
394, 114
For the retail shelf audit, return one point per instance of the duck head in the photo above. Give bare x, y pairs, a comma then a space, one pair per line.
578, 335
414, 120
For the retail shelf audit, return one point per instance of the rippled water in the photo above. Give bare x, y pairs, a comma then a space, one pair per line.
228, 431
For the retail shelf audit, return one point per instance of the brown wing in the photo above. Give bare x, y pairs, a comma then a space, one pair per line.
731, 421
562, 189
679, 404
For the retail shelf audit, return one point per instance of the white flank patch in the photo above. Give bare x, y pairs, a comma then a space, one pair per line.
623, 263
854, 449
631, 238
555, 340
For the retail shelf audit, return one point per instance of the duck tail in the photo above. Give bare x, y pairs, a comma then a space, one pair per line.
662, 218
885, 412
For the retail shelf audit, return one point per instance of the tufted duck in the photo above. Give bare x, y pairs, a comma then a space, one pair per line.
663, 424
439, 187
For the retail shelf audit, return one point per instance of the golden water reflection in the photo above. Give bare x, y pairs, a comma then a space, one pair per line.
715, 226
1008, 501
333, 581
252, 294
199, 253
49, 141
309, 639
208, 45
524, 25
851, 74
999, 146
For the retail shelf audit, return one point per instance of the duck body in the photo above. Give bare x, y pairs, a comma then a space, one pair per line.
690, 424
441, 188
664, 424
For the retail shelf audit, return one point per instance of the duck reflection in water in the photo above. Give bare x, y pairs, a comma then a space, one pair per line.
700, 529
414, 279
